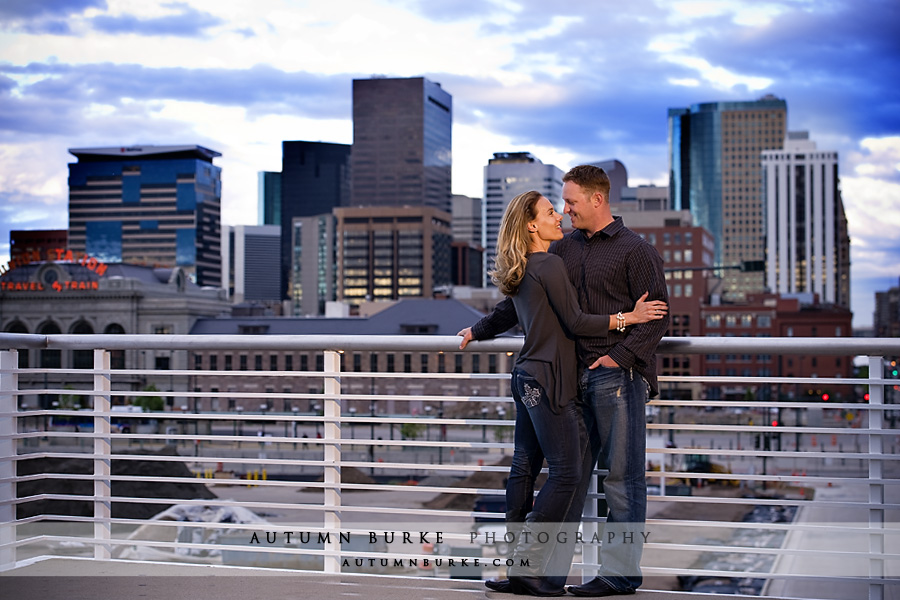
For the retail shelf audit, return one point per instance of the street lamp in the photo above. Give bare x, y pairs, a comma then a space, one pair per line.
484, 412
262, 411
352, 424
317, 408
427, 424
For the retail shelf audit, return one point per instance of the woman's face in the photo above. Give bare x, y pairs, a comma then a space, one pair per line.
546, 225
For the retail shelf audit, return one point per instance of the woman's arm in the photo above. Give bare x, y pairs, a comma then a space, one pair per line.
564, 301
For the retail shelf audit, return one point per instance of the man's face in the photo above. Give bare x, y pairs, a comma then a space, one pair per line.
580, 206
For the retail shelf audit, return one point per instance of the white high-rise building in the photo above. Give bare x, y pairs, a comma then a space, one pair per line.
506, 176
249, 263
807, 244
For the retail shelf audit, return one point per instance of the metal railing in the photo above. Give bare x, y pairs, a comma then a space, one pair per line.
770, 506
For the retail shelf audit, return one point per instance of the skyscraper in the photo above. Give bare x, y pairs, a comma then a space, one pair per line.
401, 143
506, 176
807, 244
315, 179
716, 173
150, 205
387, 253
247, 269
269, 197
313, 264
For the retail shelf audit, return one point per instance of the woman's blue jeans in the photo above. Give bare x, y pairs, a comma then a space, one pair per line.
540, 434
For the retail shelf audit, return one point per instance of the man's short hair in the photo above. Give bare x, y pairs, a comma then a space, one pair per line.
591, 178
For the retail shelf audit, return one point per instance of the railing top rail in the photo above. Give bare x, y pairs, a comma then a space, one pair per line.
436, 343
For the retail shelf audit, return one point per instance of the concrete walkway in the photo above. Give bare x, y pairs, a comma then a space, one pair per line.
85, 579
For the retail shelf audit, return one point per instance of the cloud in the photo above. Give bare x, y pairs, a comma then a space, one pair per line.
30, 9
56, 97
186, 22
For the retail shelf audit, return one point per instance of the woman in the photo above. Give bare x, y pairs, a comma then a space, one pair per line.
549, 424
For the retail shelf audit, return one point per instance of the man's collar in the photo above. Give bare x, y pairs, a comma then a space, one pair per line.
607, 232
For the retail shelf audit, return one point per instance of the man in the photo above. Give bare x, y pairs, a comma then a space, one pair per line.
610, 267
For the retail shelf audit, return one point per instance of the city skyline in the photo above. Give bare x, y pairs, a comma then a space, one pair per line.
524, 77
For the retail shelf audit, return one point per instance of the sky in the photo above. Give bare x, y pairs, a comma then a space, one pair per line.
570, 81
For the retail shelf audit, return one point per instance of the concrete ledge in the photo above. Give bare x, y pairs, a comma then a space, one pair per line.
87, 579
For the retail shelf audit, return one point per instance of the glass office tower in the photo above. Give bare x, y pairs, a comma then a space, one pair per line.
149, 205
315, 179
401, 143
716, 173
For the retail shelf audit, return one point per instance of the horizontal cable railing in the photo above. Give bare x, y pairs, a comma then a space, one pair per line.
732, 493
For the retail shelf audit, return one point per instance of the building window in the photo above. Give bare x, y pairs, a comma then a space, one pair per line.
257, 362
424, 360
713, 320
288, 362
730, 320
357, 362
320, 362
198, 362
273, 362
373, 363
213, 362
476, 363
407, 363
442, 368
492, 363
243, 362
746, 320
228, 362
763, 321
390, 363
304, 362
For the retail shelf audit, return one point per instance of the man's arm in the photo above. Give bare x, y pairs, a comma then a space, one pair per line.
645, 273
502, 318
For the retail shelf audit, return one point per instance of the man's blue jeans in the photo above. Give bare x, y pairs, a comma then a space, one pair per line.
613, 401
540, 434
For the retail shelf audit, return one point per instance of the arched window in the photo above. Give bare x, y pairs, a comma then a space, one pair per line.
116, 357
50, 359
19, 327
82, 359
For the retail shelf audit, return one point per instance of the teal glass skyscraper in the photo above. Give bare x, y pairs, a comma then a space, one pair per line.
149, 205
715, 171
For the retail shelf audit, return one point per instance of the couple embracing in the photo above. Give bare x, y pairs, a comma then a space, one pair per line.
593, 306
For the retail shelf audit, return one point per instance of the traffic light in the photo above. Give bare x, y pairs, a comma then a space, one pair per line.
894, 371
825, 397
866, 396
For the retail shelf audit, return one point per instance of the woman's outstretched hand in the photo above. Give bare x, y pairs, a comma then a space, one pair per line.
647, 311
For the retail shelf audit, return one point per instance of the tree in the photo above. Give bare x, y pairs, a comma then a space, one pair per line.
411, 431
150, 403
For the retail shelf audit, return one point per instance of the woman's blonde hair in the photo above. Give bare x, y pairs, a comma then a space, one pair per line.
513, 242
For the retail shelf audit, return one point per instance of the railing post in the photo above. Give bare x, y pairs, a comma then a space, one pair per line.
102, 450
589, 552
332, 427
9, 382
876, 480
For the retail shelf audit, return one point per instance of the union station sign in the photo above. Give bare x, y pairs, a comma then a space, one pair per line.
46, 279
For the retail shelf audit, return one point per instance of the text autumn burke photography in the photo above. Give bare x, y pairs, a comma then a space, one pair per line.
377, 541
